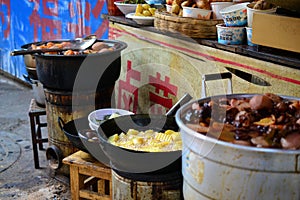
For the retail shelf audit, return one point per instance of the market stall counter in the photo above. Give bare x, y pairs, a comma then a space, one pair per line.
160, 66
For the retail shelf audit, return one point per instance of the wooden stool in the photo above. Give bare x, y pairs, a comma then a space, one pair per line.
89, 178
35, 112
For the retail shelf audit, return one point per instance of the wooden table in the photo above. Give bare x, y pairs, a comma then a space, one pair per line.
89, 178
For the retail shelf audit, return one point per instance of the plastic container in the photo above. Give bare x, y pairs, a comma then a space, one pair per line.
168, 8
250, 12
96, 116
249, 36
230, 35
155, 2
235, 15
217, 6
196, 13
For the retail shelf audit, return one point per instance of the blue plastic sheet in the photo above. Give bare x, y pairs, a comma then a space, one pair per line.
26, 21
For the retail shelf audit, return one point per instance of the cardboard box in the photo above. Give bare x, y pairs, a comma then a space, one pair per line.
276, 31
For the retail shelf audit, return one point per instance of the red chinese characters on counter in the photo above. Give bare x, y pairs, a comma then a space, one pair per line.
167, 89
128, 93
160, 94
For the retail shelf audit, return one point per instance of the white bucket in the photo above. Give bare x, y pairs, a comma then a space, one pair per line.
249, 36
196, 13
250, 12
214, 169
217, 6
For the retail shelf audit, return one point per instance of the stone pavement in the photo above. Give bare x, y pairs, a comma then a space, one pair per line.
10, 150
18, 177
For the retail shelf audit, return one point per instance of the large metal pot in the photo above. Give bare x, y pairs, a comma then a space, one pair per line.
214, 169
38, 90
30, 63
59, 72
130, 161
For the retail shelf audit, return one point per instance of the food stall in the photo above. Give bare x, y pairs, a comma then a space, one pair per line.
179, 62
159, 66
154, 67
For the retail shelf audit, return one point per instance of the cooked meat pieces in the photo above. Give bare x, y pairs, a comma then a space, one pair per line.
265, 120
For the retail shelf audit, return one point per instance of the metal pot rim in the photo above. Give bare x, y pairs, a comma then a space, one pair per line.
200, 136
120, 46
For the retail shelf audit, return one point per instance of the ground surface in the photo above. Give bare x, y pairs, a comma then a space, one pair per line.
18, 177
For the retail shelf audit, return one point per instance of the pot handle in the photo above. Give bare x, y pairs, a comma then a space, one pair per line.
217, 76
61, 123
184, 99
26, 77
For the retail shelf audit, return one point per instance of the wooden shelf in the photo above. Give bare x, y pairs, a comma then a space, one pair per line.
278, 56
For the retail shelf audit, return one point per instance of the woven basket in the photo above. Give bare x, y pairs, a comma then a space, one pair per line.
195, 28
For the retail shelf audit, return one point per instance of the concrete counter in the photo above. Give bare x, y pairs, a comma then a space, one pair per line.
157, 69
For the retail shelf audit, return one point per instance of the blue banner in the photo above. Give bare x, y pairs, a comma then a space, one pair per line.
26, 21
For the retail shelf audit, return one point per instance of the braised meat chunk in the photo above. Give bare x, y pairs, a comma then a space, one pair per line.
266, 121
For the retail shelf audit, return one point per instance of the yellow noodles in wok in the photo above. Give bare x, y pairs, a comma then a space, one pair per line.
149, 140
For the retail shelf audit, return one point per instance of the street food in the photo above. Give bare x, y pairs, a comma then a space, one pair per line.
144, 10
97, 47
265, 120
262, 5
148, 141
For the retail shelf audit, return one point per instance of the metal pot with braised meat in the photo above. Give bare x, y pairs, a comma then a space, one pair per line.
245, 146
261, 120
58, 58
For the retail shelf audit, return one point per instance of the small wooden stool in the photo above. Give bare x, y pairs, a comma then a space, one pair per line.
35, 112
89, 178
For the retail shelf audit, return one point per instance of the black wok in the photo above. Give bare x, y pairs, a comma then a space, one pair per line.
130, 161
59, 72
71, 131
76, 130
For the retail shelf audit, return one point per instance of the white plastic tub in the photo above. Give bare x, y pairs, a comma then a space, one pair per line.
235, 15
231, 34
96, 116
217, 6
249, 36
196, 13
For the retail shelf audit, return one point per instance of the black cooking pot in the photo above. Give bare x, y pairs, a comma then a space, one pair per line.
76, 130
92, 71
131, 161
71, 131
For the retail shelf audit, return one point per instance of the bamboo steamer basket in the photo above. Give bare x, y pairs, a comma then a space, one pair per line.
191, 27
